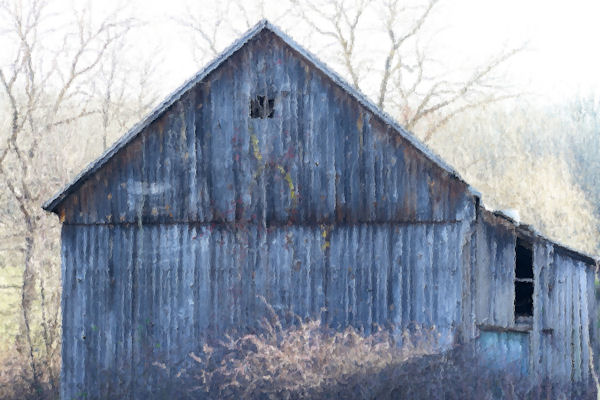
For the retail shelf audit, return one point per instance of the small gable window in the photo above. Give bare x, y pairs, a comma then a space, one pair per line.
523, 280
262, 107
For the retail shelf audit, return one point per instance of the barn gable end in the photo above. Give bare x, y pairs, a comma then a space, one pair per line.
323, 156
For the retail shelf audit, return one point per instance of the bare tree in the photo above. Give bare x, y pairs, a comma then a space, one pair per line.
412, 84
339, 21
215, 26
49, 86
393, 62
124, 92
377, 44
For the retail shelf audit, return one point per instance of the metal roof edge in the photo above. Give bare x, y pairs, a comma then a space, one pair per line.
582, 256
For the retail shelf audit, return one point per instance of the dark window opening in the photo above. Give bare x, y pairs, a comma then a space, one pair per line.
523, 279
523, 299
524, 260
262, 107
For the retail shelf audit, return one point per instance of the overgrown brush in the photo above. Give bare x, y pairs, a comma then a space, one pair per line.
302, 360
307, 359
311, 360
16, 382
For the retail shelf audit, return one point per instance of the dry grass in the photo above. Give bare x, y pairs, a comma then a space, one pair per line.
302, 360
16, 382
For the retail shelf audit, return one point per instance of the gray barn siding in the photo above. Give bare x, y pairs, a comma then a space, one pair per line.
564, 312
170, 288
567, 312
495, 271
323, 158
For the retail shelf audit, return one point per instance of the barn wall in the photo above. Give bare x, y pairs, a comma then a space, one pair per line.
323, 158
494, 273
565, 314
564, 304
177, 237
136, 296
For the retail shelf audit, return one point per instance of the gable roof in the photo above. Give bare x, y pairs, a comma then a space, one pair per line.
53, 203
264, 25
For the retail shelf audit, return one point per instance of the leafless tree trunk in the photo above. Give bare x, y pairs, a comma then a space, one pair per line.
391, 10
47, 90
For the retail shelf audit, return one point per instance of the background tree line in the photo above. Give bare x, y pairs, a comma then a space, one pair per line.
71, 83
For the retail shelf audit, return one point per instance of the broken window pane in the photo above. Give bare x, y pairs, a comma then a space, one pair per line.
262, 107
523, 299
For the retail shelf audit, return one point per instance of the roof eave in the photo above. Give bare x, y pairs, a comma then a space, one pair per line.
531, 232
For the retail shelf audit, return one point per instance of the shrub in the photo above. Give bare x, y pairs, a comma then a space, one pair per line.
304, 360
310, 360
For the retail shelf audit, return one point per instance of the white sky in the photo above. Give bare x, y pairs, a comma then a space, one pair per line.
563, 55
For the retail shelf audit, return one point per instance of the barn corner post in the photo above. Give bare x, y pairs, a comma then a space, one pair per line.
594, 324
469, 263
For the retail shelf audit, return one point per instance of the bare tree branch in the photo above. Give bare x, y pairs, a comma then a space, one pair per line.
46, 88
343, 23
448, 96
392, 12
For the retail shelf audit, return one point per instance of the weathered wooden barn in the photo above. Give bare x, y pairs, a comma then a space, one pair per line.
268, 175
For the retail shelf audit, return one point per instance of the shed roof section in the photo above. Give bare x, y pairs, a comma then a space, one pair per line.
54, 203
499, 220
